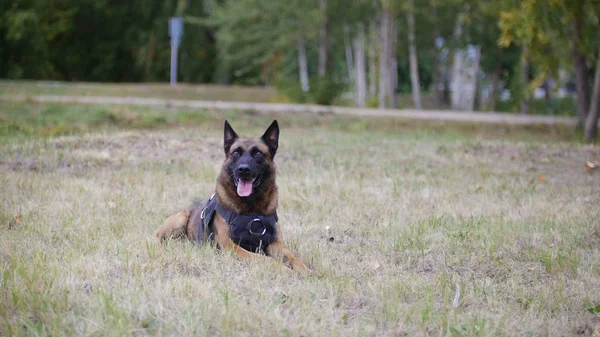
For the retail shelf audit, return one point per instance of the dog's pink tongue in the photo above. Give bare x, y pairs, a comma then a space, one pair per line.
244, 188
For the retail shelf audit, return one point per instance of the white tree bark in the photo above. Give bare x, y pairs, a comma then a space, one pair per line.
386, 61
361, 75
464, 78
472, 78
323, 40
303, 65
348, 52
457, 66
412, 54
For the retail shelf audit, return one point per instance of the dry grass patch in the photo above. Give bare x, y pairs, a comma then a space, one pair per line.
392, 225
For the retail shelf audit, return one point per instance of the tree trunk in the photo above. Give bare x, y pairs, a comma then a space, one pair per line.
388, 65
437, 70
581, 73
591, 123
412, 51
473, 85
303, 65
394, 63
361, 75
372, 60
446, 81
436, 76
457, 65
495, 90
524, 81
547, 86
384, 60
323, 40
348, 52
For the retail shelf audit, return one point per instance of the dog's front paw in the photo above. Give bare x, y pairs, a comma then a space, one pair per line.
301, 268
159, 234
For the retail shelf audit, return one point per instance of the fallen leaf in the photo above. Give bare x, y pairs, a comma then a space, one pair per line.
15, 221
542, 178
589, 166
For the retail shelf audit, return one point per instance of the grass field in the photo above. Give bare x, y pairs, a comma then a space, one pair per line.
557, 106
412, 229
181, 91
155, 90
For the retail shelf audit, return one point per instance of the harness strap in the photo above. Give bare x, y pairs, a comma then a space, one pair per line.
250, 231
206, 218
240, 222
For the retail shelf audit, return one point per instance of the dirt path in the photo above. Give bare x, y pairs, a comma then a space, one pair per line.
476, 117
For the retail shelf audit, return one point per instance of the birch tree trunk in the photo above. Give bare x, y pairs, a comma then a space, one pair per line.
323, 40
384, 61
473, 77
437, 78
457, 65
361, 76
412, 52
591, 123
348, 52
387, 61
303, 65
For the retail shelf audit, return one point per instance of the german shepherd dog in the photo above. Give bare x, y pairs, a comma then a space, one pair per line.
245, 187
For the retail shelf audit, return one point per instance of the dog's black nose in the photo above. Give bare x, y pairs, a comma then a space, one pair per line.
244, 168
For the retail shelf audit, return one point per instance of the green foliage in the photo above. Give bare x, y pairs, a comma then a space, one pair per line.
323, 91
594, 310
326, 90
556, 106
89, 40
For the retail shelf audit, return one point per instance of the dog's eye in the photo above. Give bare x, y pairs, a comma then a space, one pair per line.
258, 154
236, 153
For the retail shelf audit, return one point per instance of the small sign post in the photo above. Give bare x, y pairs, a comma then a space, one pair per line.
175, 32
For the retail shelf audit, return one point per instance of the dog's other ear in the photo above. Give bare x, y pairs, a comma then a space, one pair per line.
271, 137
229, 137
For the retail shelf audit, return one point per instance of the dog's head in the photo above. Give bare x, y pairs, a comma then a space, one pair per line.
249, 162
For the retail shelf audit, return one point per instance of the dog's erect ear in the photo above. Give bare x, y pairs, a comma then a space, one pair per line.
229, 137
271, 137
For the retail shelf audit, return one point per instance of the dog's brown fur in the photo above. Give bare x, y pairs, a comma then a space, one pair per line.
185, 223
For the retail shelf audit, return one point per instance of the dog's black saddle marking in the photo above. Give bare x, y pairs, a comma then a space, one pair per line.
252, 232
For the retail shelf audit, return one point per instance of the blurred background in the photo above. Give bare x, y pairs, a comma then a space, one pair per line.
530, 56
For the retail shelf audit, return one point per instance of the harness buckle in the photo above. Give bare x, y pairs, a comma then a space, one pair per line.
264, 228
202, 214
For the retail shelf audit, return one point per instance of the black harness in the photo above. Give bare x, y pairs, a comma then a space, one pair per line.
252, 232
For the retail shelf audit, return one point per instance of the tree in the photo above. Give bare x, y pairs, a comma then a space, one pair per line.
544, 27
414, 67
323, 39
591, 124
361, 67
